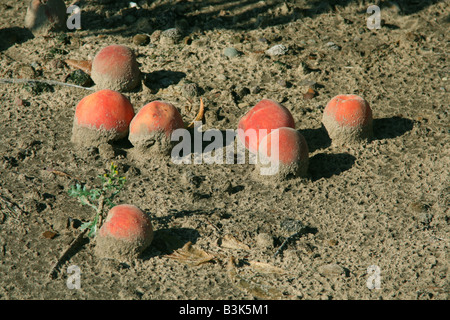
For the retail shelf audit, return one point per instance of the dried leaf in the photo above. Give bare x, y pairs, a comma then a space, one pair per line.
49, 234
309, 94
263, 267
200, 114
84, 65
190, 255
230, 242
257, 290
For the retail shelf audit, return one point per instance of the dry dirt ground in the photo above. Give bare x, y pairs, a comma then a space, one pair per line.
383, 204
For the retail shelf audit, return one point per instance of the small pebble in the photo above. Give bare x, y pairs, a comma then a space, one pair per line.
255, 90
19, 102
141, 39
282, 83
221, 77
333, 46
230, 52
264, 240
170, 36
189, 90
277, 50
331, 270
262, 40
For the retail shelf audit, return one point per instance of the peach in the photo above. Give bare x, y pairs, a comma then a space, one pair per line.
153, 125
44, 16
126, 233
286, 152
115, 67
348, 119
264, 117
102, 116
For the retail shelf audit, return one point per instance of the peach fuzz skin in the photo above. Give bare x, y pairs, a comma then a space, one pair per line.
115, 67
104, 109
126, 222
349, 111
156, 116
292, 146
266, 114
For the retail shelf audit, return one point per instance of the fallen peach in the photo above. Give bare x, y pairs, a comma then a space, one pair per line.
348, 119
153, 125
44, 16
126, 233
102, 116
115, 67
285, 152
259, 121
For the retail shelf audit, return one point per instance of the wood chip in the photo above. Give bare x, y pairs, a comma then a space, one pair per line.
257, 290
266, 268
49, 234
200, 114
230, 242
309, 94
84, 65
191, 255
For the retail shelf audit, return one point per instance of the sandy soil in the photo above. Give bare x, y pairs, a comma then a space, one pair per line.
385, 203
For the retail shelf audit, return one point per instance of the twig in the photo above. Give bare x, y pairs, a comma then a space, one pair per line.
11, 206
199, 116
51, 82
65, 253
75, 242
62, 174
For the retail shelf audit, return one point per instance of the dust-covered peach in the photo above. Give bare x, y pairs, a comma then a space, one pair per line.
153, 125
102, 116
126, 233
115, 67
348, 119
259, 121
283, 153
44, 16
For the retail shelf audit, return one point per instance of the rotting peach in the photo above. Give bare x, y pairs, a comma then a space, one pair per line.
125, 234
259, 121
115, 67
100, 117
283, 153
153, 125
348, 119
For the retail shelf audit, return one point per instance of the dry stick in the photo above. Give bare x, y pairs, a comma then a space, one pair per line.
51, 82
10, 205
75, 242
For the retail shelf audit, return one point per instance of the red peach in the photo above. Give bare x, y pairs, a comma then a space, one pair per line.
102, 116
285, 150
264, 117
154, 124
126, 233
115, 67
347, 119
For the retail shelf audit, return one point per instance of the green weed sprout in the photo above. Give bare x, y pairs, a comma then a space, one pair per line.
97, 198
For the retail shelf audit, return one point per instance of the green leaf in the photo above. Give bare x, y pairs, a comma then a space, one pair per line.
86, 225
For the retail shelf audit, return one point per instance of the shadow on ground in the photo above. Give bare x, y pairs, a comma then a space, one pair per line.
389, 128
219, 14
